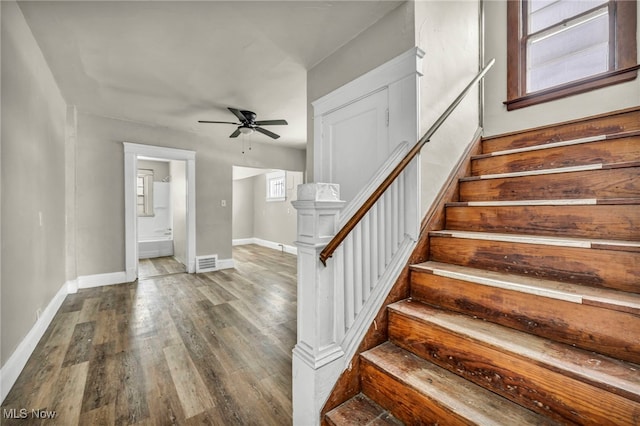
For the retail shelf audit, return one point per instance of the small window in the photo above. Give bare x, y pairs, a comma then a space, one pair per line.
558, 48
277, 186
144, 192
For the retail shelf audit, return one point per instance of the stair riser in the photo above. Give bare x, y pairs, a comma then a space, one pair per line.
618, 123
567, 264
520, 380
601, 152
595, 221
402, 401
606, 183
612, 333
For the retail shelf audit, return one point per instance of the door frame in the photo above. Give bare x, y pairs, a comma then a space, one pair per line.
131, 153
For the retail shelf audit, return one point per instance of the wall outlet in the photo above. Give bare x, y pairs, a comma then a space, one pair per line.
223, 203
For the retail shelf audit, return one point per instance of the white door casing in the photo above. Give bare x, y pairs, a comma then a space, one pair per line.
131, 152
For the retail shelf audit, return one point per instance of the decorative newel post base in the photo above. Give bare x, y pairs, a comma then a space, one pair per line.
317, 355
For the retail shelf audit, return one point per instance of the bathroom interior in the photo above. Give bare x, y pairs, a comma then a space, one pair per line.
161, 208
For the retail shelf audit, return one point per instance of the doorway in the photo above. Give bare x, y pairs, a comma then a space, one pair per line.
262, 210
182, 166
161, 208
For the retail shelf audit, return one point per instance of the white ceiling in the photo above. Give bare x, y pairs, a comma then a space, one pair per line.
172, 63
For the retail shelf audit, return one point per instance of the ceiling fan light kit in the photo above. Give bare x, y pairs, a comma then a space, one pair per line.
248, 124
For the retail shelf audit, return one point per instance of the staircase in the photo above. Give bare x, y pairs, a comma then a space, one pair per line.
528, 310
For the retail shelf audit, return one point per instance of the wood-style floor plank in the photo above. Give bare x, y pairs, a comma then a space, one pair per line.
177, 349
158, 266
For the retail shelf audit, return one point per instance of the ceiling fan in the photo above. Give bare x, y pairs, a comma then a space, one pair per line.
248, 124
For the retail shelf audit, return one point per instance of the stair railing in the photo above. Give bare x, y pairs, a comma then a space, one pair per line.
338, 301
342, 234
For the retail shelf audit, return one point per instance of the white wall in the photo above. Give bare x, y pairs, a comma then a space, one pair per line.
275, 221
33, 181
100, 177
499, 120
448, 33
254, 217
392, 35
243, 210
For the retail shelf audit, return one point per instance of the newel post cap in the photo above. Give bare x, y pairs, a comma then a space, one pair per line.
319, 192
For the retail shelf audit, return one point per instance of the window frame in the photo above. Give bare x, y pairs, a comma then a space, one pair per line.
623, 60
279, 178
147, 193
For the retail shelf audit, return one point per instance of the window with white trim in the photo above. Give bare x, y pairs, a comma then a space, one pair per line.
276, 185
144, 192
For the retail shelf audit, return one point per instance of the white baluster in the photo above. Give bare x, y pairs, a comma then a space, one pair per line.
375, 250
357, 269
388, 223
401, 201
366, 256
382, 246
395, 217
349, 313
338, 260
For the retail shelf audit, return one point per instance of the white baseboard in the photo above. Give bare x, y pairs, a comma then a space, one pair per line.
90, 281
72, 286
226, 264
265, 243
243, 241
13, 367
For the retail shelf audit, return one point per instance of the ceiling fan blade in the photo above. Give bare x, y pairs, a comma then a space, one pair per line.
266, 132
272, 123
220, 122
238, 114
235, 134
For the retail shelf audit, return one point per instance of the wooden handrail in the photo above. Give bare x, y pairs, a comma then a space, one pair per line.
327, 252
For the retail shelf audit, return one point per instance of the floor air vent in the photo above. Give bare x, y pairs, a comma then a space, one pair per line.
206, 263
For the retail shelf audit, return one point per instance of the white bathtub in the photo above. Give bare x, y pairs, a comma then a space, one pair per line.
155, 247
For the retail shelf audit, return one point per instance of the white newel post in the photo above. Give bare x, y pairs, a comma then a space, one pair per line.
316, 354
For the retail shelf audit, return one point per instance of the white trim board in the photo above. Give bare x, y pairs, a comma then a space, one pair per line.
265, 243
99, 280
15, 364
226, 264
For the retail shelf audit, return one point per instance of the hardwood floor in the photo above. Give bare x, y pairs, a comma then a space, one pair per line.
157, 266
179, 349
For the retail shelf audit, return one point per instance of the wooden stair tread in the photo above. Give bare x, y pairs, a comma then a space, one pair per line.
611, 222
606, 182
542, 240
360, 410
552, 171
551, 202
561, 154
608, 123
472, 402
603, 297
619, 377
570, 142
